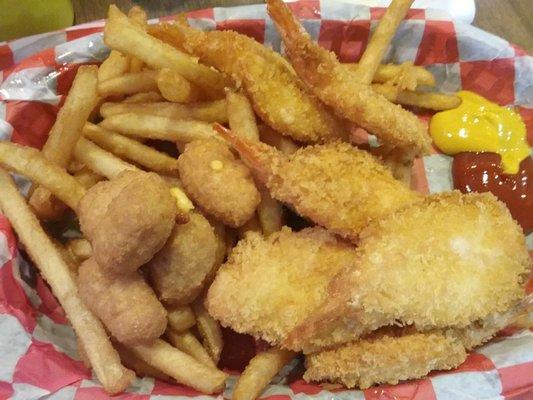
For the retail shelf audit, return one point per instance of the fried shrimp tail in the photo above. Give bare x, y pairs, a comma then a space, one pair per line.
341, 89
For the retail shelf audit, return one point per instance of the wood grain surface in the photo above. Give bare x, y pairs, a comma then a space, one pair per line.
509, 19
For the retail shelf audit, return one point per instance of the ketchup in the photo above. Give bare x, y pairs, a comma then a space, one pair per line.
482, 172
238, 350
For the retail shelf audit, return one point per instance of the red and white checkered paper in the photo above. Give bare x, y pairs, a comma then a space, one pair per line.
38, 357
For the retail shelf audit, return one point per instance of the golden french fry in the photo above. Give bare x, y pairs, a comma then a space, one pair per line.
428, 100
131, 149
212, 111
187, 342
138, 17
269, 213
130, 83
381, 38
181, 366
87, 178
31, 163
102, 356
209, 329
100, 161
176, 88
241, 116
276, 139
122, 35
405, 75
155, 127
143, 97
113, 66
181, 318
79, 103
259, 372
81, 249
141, 368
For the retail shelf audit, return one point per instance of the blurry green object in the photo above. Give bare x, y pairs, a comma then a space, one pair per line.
20, 18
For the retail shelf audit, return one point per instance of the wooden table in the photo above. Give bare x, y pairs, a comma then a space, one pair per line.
509, 19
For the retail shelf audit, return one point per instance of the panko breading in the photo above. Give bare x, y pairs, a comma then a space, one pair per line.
335, 185
218, 182
178, 271
444, 263
385, 358
269, 285
127, 219
126, 304
267, 80
339, 88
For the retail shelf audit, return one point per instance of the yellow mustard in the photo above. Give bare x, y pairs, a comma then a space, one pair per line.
479, 125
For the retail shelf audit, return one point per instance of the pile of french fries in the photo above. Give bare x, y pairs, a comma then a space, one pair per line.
147, 89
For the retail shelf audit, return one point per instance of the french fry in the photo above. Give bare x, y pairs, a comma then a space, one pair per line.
381, 38
259, 372
31, 163
269, 213
87, 178
181, 366
100, 161
115, 65
131, 149
155, 127
241, 116
141, 368
176, 88
79, 103
104, 359
212, 111
276, 139
427, 100
130, 83
143, 97
181, 318
187, 342
210, 331
138, 17
81, 249
122, 35
394, 73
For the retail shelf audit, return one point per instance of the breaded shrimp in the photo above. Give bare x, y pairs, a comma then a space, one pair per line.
270, 285
445, 263
271, 86
218, 182
339, 88
336, 185
385, 357
125, 304
178, 271
128, 219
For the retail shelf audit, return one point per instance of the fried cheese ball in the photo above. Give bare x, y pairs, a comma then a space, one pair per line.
270, 285
445, 263
218, 182
125, 304
179, 270
127, 219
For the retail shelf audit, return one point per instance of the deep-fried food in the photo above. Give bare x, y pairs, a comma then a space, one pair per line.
437, 264
128, 219
339, 88
335, 184
272, 88
385, 358
270, 285
218, 182
125, 304
179, 270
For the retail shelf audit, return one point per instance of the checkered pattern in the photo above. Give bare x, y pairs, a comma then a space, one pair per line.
37, 348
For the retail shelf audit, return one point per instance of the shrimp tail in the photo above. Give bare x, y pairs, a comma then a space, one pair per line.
261, 158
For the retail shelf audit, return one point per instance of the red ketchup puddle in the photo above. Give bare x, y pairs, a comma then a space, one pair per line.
481, 172
238, 350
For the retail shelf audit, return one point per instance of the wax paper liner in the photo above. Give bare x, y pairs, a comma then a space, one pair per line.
38, 357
